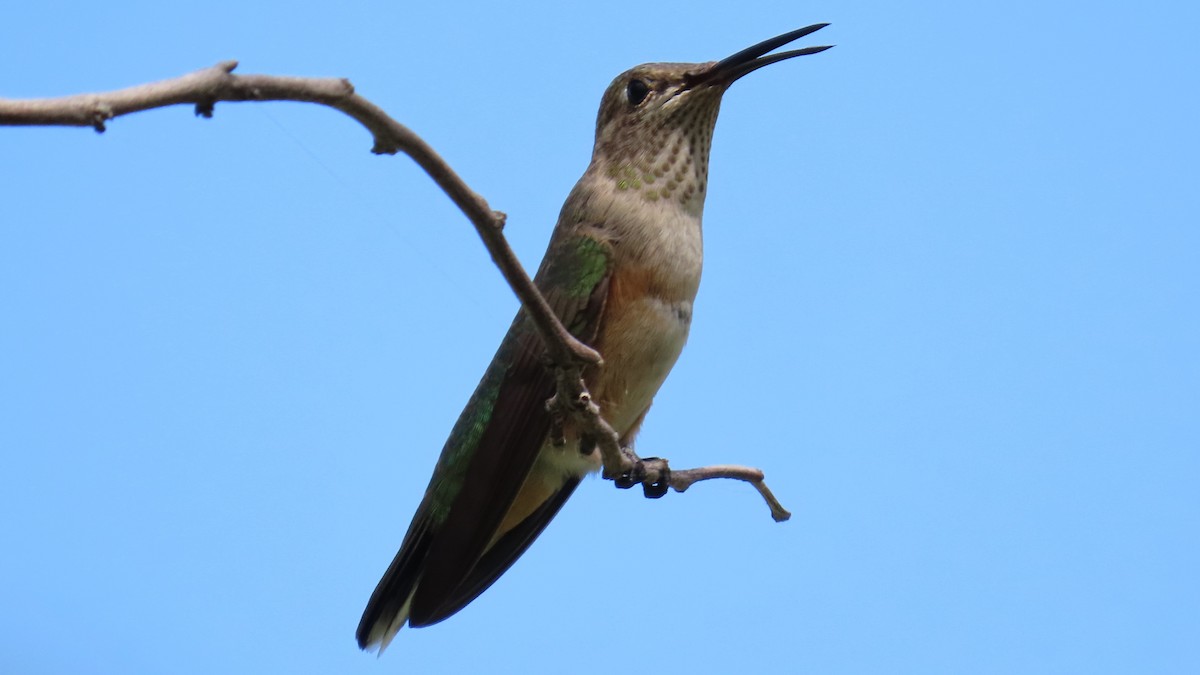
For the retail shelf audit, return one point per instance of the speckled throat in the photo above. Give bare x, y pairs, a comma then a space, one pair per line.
666, 156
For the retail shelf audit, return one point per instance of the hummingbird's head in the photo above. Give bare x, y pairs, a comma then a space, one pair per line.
655, 125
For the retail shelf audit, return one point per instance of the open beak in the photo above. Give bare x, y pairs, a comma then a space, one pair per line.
729, 69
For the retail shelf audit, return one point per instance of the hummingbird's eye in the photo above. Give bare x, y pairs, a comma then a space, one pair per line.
637, 91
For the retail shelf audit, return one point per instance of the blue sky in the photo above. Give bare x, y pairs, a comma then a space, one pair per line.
949, 306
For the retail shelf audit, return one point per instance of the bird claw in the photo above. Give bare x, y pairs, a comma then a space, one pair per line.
637, 474
631, 477
657, 488
587, 445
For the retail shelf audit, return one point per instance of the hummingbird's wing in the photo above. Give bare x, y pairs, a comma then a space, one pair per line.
451, 552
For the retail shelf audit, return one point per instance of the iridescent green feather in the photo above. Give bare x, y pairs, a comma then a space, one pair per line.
569, 275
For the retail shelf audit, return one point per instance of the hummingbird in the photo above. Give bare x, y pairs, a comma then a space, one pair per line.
621, 272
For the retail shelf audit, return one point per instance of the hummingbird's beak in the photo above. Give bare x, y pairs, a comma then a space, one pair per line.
727, 70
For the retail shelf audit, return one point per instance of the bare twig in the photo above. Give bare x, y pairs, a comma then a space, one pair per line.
682, 480
204, 88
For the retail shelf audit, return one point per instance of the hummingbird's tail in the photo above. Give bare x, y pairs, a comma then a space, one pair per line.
389, 607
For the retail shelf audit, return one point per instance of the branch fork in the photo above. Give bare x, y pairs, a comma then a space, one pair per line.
566, 355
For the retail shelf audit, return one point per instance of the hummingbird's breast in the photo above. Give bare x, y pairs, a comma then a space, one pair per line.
658, 254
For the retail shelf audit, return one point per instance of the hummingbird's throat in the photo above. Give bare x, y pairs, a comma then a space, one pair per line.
674, 169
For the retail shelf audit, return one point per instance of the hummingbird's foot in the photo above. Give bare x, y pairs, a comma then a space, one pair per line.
558, 437
630, 478
636, 472
587, 445
652, 473
657, 477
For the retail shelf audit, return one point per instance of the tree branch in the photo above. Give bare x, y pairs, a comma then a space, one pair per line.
204, 88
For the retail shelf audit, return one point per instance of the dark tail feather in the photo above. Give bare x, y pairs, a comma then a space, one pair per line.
495, 561
388, 609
